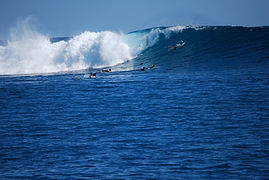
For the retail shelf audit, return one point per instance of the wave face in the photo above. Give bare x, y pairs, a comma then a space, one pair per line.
208, 48
198, 48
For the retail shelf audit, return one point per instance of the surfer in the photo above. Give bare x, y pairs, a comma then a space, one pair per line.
153, 66
143, 69
92, 75
173, 47
182, 43
106, 70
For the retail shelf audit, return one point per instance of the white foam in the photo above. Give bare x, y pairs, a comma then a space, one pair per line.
176, 28
31, 52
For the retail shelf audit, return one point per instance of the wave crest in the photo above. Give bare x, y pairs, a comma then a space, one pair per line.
206, 46
32, 52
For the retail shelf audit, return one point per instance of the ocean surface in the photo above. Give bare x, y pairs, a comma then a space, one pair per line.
201, 113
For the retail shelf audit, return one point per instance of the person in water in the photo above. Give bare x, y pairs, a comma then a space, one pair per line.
92, 76
153, 66
173, 47
106, 70
143, 69
182, 43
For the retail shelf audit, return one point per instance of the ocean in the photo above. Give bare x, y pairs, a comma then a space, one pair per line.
201, 113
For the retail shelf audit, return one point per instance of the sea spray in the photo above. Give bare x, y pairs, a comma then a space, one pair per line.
32, 52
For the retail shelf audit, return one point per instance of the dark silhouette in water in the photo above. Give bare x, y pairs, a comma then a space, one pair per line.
106, 70
153, 66
92, 75
173, 47
177, 45
144, 68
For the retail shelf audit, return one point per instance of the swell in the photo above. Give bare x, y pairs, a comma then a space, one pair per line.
199, 48
209, 48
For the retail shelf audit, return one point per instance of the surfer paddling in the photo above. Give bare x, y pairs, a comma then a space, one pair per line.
143, 69
106, 70
92, 76
173, 47
177, 45
153, 66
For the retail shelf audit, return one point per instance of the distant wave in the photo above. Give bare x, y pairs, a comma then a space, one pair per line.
197, 46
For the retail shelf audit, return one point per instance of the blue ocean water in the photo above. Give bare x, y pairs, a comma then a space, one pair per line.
202, 113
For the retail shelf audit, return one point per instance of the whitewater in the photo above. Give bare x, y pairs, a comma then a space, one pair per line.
30, 52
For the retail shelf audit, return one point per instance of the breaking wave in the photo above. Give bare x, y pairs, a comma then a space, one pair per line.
31, 52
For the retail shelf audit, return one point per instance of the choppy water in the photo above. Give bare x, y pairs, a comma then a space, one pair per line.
136, 125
